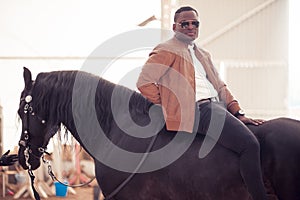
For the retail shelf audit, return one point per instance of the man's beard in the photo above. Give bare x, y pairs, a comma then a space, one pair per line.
183, 37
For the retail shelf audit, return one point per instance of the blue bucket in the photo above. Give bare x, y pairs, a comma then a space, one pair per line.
60, 189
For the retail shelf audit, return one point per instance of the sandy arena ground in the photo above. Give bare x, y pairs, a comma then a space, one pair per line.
84, 193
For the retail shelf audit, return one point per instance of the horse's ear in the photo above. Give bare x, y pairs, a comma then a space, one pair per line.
27, 78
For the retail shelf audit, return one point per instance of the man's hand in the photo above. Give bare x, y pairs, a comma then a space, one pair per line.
247, 120
7, 160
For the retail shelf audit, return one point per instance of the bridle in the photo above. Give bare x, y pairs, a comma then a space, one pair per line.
30, 148
25, 142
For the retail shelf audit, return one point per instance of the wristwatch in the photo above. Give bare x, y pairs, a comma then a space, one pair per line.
239, 113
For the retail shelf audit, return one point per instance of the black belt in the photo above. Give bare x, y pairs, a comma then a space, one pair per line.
208, 100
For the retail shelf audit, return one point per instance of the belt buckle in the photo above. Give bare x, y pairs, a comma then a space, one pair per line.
213, 99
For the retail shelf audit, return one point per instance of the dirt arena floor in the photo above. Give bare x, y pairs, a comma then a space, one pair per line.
83, 193
17, 186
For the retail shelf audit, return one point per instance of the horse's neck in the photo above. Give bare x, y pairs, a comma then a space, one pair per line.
98, 111
88, 113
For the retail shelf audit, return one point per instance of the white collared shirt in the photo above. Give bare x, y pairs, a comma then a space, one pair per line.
204, 88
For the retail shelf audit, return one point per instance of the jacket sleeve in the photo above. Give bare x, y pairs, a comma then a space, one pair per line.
231, 103
224, 93
154, 69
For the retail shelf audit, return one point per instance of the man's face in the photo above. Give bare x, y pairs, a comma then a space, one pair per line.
187, 23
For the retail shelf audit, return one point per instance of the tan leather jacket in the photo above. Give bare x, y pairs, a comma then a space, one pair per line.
168, 78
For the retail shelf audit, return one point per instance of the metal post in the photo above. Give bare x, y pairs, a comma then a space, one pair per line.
166, 9
1, 131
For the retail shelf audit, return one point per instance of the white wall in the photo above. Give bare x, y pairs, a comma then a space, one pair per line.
66, 28
57, 35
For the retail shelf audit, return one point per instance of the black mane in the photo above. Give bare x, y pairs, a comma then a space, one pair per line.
52, 93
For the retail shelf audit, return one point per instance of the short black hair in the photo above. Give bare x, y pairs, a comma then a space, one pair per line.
182, 9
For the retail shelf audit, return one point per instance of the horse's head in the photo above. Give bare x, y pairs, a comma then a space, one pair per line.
33, 139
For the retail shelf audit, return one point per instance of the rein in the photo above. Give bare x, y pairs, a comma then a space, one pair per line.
54, 178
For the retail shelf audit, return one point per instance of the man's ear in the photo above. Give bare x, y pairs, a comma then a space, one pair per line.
174, 27
27, 78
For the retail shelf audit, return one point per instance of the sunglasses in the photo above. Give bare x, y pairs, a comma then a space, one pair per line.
186, 24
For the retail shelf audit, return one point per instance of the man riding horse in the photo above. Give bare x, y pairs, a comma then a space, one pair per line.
179, 64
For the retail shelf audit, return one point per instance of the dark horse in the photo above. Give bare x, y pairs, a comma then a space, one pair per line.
49, 101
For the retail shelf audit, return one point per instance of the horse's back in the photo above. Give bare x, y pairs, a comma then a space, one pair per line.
280, 150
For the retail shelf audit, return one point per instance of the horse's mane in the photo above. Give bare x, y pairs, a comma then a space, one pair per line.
52, 92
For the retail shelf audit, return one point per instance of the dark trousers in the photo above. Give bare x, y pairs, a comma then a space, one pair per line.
228, 131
